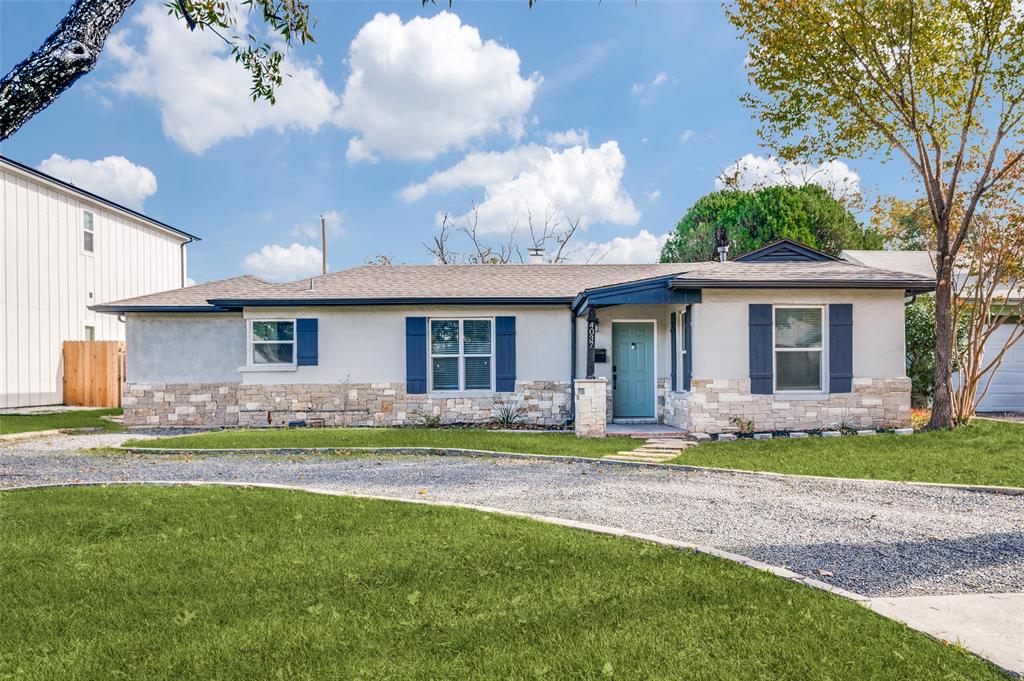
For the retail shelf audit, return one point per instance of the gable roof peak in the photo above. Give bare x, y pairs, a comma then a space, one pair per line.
786, 250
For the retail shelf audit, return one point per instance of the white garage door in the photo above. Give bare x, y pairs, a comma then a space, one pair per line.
1007, 391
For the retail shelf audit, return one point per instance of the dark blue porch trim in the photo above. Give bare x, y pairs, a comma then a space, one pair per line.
654, 291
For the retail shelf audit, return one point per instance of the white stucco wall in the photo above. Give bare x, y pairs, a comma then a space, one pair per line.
720, 340
185, 348
367, 344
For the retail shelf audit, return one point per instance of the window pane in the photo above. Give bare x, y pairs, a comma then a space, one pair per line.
797, 327
478, 373
87, 241
87, 220
273, 330
272, 353
446, 373
444, 337
798, 370
476, 336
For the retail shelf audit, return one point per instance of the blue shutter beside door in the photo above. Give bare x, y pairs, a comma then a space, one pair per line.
761, 375
416, 355
306, 342
675, 353
840, 348
505, 354
688, 347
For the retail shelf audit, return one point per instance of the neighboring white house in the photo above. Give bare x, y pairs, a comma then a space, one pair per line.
785, 338
63, 249
1006, 392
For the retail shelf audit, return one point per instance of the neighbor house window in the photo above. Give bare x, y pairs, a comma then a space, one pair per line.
272, 342
799, 343
90, 333
87, 232
461, 354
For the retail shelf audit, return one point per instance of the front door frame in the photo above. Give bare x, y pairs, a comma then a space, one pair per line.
654, 364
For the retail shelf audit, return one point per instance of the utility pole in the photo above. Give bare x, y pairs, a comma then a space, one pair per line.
323, 242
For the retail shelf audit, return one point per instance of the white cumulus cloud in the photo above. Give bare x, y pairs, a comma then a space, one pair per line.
112, 177
754, 172
685, 136
653, 195
202, 93
568, 138
278, 263
576, 183
642, 248
420, 88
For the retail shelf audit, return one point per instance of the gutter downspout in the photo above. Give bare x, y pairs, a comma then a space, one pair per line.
183, 244
572, 366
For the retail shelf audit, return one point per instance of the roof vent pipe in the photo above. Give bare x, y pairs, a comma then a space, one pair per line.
536, 255
723, 253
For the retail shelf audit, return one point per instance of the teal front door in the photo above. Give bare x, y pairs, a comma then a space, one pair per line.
633, 370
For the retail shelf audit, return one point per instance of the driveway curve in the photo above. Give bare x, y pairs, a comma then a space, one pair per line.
872, 538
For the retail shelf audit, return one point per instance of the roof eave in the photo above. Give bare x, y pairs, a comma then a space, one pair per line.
916, 286
235, 303
122, 309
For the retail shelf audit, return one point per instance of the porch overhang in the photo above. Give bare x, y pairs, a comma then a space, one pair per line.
656, 291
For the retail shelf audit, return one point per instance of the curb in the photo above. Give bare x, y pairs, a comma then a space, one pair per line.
28, 435
775, 570
483, 453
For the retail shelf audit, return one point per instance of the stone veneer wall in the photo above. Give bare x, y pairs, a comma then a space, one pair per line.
340, 404
591, 407
714, 406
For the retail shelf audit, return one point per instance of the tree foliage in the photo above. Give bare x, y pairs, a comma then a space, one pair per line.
938, 83
750, 220
74, 47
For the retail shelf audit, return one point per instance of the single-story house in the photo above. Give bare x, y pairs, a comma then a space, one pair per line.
1001, 390
784, 338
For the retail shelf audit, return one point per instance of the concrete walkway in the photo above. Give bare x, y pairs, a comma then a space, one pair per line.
989, 625
655, 450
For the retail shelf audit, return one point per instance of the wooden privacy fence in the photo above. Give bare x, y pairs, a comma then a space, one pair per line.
93, 373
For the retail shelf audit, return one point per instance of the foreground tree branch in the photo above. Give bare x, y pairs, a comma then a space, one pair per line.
68, 53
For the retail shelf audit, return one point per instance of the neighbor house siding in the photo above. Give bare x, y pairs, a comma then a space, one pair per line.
48, 281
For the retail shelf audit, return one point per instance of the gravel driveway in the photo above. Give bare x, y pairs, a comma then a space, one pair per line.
877, 539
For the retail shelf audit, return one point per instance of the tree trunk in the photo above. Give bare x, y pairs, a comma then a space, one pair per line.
68, 54
942, 402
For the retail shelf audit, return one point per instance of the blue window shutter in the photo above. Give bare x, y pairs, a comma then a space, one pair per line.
306, 342
688, 347
416, 355
505, 354
672, 337
840, 348
761, 376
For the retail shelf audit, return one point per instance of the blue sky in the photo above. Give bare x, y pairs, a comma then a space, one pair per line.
620, 114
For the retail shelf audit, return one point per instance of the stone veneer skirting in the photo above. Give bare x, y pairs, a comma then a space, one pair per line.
727, 406
336, 404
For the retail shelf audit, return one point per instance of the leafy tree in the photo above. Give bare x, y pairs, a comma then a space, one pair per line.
750, 220
938, 83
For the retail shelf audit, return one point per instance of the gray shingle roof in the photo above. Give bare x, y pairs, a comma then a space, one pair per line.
371, 284
914, 262
188, 298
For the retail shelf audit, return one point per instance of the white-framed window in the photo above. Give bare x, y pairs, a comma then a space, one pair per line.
90, 333
88, 235
799, 348
461, 354
272, 342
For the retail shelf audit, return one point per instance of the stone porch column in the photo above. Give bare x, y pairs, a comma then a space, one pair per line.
591, 406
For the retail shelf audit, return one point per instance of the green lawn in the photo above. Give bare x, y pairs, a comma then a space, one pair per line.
219, 583
523, 442
86, 418
984, 453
